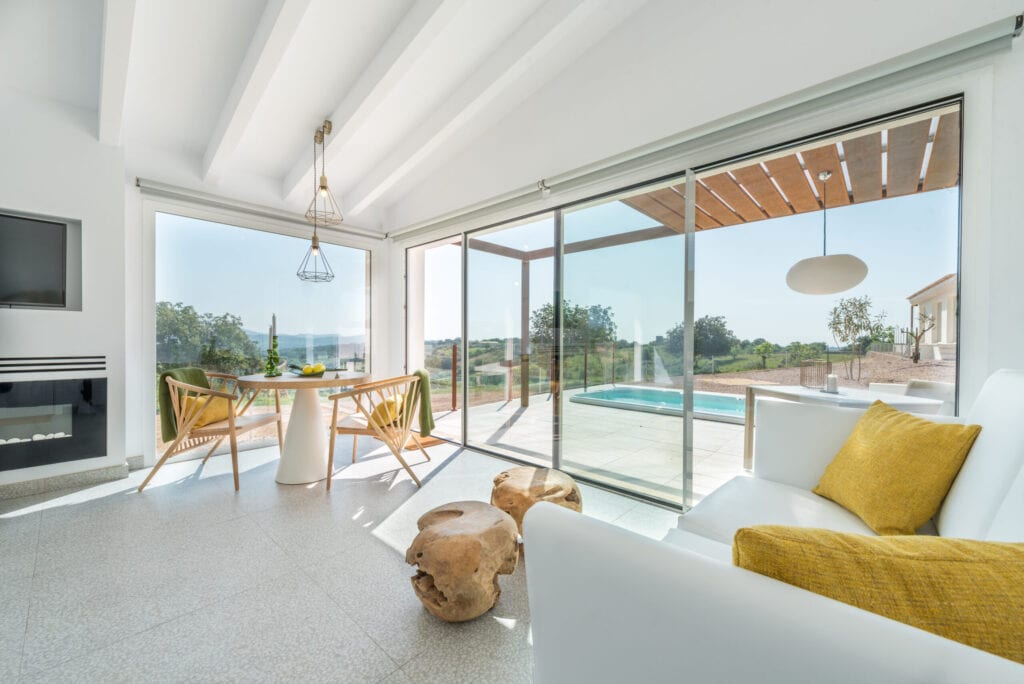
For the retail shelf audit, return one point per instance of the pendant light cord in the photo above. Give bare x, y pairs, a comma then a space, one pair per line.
824, 217
314, 185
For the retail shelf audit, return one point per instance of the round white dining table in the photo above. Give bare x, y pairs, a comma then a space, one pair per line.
304, 452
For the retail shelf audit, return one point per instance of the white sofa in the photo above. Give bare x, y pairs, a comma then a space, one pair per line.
610, 606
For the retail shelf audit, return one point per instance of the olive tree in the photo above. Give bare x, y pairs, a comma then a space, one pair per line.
850, 319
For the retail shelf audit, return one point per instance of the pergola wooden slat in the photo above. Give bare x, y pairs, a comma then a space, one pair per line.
706, 202
905, 155
944, 164
646, 204
864, 163
760, 187
725, 187
791, 179
827, 159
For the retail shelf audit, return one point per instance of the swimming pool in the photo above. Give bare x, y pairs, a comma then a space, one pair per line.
706, 405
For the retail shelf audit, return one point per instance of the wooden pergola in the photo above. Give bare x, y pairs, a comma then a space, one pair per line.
912, 155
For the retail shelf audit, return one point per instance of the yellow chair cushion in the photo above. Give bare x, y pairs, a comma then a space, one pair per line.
895, 469
964, 590
387, 412
217, 410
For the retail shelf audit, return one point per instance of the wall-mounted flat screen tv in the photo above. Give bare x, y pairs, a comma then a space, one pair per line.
33, 257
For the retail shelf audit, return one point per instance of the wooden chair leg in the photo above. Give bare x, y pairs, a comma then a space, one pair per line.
330, 462
398, 455
355, 446
280, 429
210, 452
419, 444
330, 451
234, 457
171, 450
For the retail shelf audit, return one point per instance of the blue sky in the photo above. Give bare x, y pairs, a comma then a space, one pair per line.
907, 242
251, 273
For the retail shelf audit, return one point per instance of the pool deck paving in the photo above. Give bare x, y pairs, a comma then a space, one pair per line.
630, 449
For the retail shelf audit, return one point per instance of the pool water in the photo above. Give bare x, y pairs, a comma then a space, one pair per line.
707, 405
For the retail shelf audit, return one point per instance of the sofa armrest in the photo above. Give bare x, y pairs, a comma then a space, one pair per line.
794, 442
607, 605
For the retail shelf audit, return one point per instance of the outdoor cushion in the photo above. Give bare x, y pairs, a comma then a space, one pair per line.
746, 501
387, 412
217, 411
966, 590
189, 376
896, 468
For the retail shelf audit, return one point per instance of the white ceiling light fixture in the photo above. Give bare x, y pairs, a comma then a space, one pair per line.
323, 210
826, 274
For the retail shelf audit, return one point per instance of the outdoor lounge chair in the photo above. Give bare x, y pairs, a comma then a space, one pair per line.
384, 409
191, 414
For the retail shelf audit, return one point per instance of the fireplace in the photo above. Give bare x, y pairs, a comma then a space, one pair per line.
52, 421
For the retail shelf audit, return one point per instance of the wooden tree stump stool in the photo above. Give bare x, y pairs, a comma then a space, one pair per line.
461, 549
517, 489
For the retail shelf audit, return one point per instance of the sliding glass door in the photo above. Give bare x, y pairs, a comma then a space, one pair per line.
622, 345
511, 329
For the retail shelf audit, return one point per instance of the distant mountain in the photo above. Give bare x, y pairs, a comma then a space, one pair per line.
292, 341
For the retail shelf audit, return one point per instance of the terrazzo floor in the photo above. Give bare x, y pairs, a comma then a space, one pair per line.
191, 581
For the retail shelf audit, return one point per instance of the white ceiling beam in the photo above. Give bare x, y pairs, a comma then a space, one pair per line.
273, 35
548, 40
118, 23
413, 36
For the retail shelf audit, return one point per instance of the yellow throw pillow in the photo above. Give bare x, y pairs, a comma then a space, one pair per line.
387, 412
217, 410
964, 590
895, 469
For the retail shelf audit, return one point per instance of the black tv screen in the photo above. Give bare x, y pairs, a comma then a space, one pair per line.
32, 262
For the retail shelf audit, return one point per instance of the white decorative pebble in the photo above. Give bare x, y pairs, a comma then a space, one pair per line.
49, 435
58, 435
38, 437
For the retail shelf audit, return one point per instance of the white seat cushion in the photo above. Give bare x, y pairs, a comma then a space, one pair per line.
746, 501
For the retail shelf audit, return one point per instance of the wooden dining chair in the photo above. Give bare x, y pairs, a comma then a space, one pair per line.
202, 415
385, 409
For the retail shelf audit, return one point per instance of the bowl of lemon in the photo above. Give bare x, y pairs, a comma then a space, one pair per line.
315, 370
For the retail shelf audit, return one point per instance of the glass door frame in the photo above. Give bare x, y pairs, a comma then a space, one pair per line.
558, 346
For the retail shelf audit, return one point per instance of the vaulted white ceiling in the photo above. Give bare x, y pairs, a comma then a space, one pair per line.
225, 96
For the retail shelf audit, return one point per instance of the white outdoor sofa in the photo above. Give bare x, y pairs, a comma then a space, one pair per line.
611, 606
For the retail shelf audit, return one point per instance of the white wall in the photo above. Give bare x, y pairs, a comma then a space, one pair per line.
676, 67
51, 163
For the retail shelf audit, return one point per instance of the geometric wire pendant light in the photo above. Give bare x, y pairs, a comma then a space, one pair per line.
323, 210
828, 273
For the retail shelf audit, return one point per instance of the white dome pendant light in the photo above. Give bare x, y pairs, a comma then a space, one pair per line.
826, 274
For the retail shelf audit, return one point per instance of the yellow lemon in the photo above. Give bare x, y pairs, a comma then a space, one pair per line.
307, 370
319, 368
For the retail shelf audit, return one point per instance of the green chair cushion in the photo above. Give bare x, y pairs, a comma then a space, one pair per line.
190, 376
